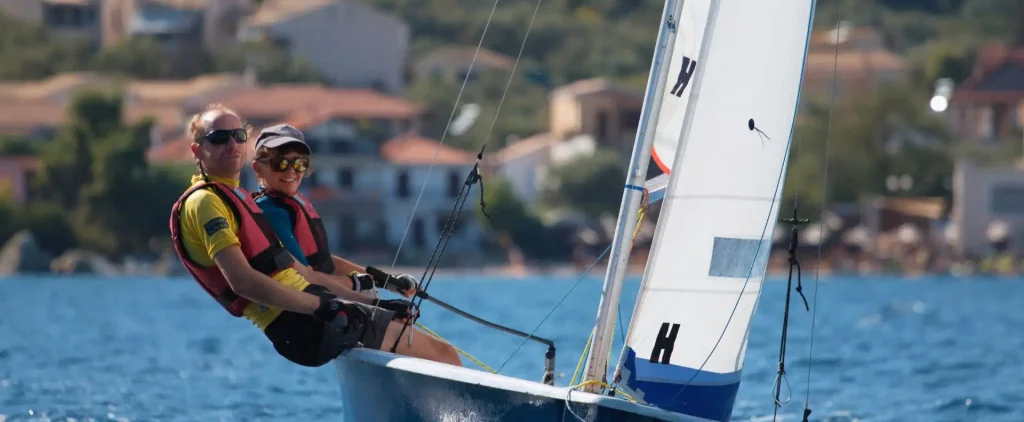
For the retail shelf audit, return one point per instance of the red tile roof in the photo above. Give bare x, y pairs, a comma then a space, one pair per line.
525, 146
179, 150
301, 105
410, 149
22, 117
990, 58
26, 162
171, 151
280, 101
415, 149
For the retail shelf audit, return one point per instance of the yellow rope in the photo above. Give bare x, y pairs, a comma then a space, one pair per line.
641, 212
461, 352
605, 385
579, 365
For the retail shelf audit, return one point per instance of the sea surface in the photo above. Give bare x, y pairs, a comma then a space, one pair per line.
885, 349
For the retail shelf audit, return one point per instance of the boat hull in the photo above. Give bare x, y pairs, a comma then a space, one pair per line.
380, 386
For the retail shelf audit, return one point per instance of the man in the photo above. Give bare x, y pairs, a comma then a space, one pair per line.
222, 238
281, 162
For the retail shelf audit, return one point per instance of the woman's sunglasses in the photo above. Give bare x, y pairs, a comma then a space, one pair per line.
222, 136
281, 164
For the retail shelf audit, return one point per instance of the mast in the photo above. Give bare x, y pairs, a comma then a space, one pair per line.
597, 360
691, 106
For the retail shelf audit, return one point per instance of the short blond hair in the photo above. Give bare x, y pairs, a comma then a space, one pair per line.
195, 130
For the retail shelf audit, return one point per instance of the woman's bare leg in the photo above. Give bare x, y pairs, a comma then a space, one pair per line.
424, 346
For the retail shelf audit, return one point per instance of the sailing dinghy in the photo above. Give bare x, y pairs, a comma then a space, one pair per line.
718, 114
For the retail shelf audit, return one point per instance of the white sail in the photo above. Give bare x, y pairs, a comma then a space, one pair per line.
597, 360
688, 335
692, 20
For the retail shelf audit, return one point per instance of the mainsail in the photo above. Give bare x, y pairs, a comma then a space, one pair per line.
688, 335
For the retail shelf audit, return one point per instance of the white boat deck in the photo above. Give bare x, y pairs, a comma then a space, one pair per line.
503, 382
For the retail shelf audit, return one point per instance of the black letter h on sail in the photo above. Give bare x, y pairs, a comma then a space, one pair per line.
685, 73
664, 343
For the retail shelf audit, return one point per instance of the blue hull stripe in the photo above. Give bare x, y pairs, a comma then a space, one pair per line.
710, 395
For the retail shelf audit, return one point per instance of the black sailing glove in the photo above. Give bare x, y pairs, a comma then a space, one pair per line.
361, 281
403, 284
402, 308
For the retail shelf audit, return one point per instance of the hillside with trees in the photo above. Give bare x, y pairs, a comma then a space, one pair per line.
889, 131
570, 40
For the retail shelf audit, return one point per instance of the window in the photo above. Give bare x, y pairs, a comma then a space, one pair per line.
602, 126
281, 41
419, 233
345, 178
442, 221
54, 15
1007, 199
403, 184
314, 145
349, 239
464, 75
630, 119
454, 183
382, 232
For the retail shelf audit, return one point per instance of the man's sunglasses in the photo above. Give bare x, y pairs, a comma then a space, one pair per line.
281, 164
222, 136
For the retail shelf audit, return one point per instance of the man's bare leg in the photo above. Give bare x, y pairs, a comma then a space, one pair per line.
424, 346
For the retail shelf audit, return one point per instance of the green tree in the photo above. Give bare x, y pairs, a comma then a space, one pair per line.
146, 58
273, 64
510, 216
96, 174
889, 131
942, 59
32, 52
14, 146
523, 112
67, 162
589, 184
50, 224
9, 214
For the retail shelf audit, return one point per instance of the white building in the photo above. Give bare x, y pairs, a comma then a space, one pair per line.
982, 196
351, 43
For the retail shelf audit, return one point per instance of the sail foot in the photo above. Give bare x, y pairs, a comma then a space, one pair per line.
703, 394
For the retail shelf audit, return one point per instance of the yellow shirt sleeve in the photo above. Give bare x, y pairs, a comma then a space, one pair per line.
208, 226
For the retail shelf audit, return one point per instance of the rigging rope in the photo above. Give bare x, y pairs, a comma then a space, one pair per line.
472, 179
641, 213
582, 276
442, 243
444, 134
794, 263
824, 202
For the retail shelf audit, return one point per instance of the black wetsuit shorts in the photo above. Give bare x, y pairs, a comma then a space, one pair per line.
300, 338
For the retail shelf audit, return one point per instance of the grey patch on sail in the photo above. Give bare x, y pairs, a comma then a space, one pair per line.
734, 258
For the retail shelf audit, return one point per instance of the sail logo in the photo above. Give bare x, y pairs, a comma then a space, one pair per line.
685, 74
670, 24
664, 343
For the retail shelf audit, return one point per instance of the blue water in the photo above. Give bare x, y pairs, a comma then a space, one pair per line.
130, 349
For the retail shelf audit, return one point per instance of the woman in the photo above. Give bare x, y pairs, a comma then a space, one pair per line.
282, 160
